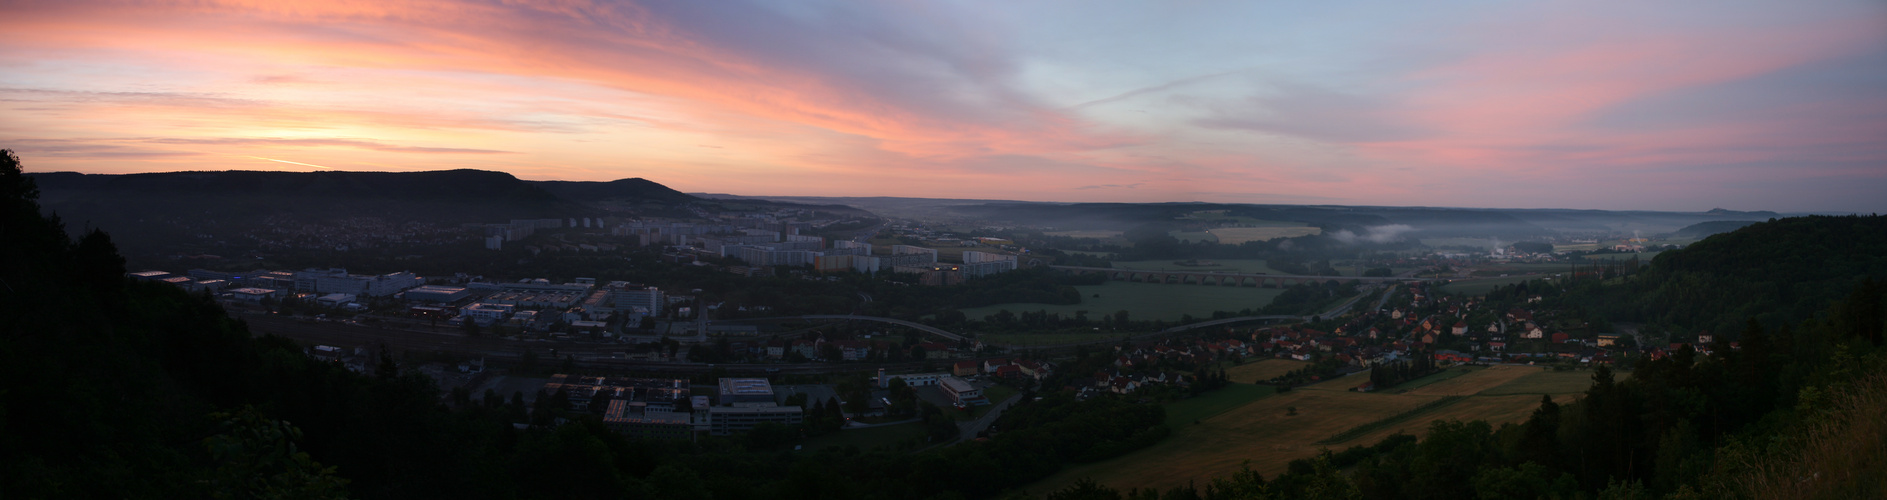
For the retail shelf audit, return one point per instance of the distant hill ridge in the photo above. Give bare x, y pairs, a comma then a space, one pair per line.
1703, 229
461, 184
191, 211
635, 188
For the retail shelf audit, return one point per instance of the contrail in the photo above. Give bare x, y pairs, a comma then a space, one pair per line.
293, 162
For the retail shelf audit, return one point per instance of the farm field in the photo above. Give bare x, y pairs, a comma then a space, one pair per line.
1449, 373
1547, 381
1265, 369
1194, 237
1245, 266
1473, 381
1262, 432
1239, 235
1185, 411
1145, 301
1096, 234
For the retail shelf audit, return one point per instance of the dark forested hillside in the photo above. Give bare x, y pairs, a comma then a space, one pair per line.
1705, 229
451, 196
1776, 272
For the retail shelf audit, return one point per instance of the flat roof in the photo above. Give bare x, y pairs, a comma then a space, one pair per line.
746, 386
957, 385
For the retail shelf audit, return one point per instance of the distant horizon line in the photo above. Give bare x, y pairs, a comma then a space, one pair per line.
985, 200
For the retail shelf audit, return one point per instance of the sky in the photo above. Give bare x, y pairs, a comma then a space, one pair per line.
1667, 105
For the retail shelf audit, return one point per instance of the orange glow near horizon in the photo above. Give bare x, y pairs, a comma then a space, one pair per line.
1541, 104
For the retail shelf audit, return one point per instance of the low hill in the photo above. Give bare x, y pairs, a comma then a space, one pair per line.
1704, 229
636, 189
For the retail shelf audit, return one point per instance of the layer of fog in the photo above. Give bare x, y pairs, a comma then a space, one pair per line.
1374, 234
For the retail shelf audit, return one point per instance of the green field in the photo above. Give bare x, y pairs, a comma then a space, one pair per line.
1148, 301
995, 393
1263, 369
1186, 411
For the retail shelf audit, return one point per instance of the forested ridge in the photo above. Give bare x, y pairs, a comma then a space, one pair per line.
1777, 272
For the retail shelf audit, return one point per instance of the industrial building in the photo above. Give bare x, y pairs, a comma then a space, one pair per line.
742, 417
436, 293
337, 280
656, 394
745, 390
486, 314
962, 392
636, 419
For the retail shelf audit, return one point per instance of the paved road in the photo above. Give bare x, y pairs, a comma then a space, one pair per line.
1385, 297
969, 430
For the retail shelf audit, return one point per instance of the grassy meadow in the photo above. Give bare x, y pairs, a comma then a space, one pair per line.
1261, 430
1263, 369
